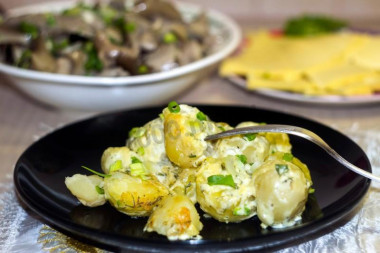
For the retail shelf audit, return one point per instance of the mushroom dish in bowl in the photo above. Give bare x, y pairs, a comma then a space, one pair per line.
112, 55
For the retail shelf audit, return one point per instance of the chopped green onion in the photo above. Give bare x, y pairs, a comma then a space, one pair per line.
221, 128
242, 158
170, 38
135, 160
250, 137
118, 165
287, 157
95, 172
139, 170
30, 29
99, 190
129, 27
59, 45
201, 116
140, 151
25, 59
118, 203
174, 107
72, 12
114, 40
221, 180
50, 19
142, 69
77, 9
311, 190
107, 14
93, 62
192, 156
281, 169
161, 115
136, 132
238, 211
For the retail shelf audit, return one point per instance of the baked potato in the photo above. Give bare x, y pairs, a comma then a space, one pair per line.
281, 191
133, 195
87, 189
176, 218
225, 190
117, 159
184, 132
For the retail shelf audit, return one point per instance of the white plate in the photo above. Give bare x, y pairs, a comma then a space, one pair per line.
105, 93
297, 97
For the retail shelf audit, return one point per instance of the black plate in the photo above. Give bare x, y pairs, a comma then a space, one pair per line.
40, 172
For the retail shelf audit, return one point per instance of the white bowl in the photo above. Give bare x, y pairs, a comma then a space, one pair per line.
110, 93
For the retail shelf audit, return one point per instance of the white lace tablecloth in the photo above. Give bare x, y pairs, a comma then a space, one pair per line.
21, 232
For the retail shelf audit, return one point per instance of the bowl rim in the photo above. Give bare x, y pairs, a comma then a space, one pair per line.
229, 25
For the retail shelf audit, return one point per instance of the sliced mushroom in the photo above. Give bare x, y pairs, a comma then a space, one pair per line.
15, 54
198, 28
53, 24
64, 66
8, 36
92, 20
163, 59
72, 48
71, 25
114, 35
114, 72
210, 44
190, 51
42, 60
142, 36
153, 8
140, 23
38, 20
110, 53
148, 41
78, 59
179, 29
118, 5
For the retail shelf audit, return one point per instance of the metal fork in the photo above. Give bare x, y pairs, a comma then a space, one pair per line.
301, 132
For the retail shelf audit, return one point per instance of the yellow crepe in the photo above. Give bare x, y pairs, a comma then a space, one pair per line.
286, 56
338, 64
368, 55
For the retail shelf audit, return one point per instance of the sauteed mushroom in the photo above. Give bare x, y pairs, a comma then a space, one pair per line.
105, 39
42, 60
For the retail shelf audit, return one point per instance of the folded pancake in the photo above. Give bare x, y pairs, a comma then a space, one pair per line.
286, 58
334, 64
368, 55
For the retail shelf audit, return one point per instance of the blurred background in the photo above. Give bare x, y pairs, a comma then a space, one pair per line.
361, 11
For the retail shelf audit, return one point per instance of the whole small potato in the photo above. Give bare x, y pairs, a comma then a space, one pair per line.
133, 195
176, 218
85, 189
277, 141
281, 191
114, 154
185, 184
184, 136
148, 141
232, 202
